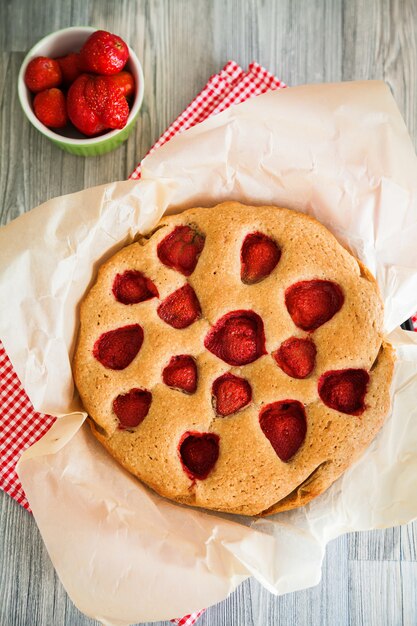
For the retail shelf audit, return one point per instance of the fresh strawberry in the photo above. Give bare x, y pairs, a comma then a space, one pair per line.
199, 453
181, 308
95, 105
132, 287
70, 68
131, 408
106, 100
284, 425
103, 53
259, 256
181, 373
237, 338
80, 114
117, 348
50, 108
125, 82
180, 249
42, 73
230, 393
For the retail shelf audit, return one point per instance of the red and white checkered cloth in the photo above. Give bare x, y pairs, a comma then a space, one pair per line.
20, 427
188, 620
20, 424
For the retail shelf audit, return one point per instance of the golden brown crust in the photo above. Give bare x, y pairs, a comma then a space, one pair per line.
248, 477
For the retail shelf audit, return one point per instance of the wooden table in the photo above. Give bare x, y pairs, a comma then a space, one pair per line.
369, 579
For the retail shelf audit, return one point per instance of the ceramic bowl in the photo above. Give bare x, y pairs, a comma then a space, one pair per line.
60, 43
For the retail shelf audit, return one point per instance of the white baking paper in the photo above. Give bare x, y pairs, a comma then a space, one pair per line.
339, 152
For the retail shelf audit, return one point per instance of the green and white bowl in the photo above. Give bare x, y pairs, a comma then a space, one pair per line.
60, 43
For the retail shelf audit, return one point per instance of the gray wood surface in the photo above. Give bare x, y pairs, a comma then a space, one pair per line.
369, 579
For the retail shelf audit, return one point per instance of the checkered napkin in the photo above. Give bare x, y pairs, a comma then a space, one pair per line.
20, 424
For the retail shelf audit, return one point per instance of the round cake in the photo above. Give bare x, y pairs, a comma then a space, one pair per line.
233, 359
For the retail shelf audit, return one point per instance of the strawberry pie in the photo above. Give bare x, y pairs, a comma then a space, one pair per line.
234, 359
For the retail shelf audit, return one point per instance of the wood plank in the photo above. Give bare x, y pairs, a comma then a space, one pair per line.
30, 591
409, 542
14, 135
326, 604
23, 23
408, 593
375, 593
283, 37
236, 610
380, 42
375, 545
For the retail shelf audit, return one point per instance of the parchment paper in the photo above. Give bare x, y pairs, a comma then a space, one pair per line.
339, 152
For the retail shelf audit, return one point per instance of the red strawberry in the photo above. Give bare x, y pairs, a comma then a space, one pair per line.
42, 73
106, 100
80, 114
95, 105
50, 108
237, 338
124, 81
199, 453
180, 249
296, 357
131, 408
181, 308
132, 287
344, 390
259, 256
181, 373
230, 394
117, 348
104, 53
284, 425
70, 67
311, 303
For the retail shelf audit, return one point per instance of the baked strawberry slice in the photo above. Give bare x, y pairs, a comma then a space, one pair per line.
199, 453
117, 348
230, 394
131, 408
284, 424
312, 303
259, 257
181, 308
344, 390
237, 338
133, 287
296, 357
181, 248
181, 373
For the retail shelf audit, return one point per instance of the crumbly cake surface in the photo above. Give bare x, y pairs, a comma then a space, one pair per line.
247, 463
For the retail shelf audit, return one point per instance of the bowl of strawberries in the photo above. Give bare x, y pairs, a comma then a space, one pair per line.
82, 88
